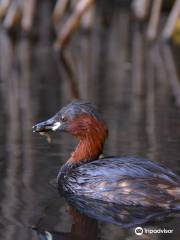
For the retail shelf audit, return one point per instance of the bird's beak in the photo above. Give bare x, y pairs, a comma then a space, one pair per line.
50, 125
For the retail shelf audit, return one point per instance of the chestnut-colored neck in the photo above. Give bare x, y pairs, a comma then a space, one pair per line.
90, 144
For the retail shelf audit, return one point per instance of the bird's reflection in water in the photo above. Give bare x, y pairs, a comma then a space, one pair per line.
87, 213
82, 228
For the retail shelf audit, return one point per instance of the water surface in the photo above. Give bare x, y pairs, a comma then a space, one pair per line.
134, 96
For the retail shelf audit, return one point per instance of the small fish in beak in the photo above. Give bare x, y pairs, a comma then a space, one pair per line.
48, 137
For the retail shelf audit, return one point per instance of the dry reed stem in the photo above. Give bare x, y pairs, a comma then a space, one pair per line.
72, 23
28, 15
154, 20
4, 4
170, 24
13, 15
59, 10
140, 8
88, 19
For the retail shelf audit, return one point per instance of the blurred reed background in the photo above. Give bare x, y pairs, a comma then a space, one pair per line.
124, 60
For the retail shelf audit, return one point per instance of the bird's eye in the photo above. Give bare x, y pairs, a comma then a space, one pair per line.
63, 118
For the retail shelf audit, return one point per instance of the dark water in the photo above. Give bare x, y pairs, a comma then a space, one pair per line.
126, 79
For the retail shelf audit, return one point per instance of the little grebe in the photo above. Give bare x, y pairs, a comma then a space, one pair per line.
122, 180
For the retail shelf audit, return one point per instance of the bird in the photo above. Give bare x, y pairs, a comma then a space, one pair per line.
119, 180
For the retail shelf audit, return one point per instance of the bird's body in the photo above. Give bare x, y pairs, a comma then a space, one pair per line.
124, 180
